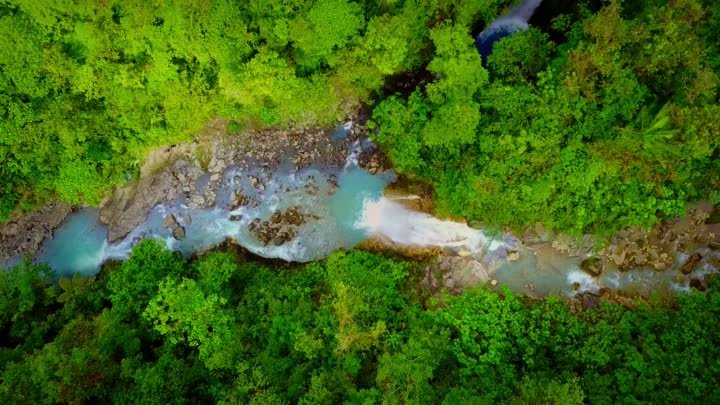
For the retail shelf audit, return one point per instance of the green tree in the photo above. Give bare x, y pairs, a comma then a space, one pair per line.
183, 313
133, 285
328, 25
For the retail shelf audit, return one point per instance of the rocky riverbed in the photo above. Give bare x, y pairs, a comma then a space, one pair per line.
679, 246
193, 173
22, 236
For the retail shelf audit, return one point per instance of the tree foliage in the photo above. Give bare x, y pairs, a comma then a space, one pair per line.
88, 87
607, 129
349, 329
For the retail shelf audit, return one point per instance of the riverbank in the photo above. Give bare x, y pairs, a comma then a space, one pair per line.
23, 235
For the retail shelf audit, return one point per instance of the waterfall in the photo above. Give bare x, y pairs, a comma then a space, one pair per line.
395, 222
525, 10
517, 19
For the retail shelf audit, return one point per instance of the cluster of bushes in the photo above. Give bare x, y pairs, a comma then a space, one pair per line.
352, 329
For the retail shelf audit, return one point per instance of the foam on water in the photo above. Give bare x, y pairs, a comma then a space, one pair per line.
401, 225
525, 10
583, 281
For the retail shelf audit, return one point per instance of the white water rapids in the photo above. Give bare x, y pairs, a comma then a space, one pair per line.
394, 221
517, 19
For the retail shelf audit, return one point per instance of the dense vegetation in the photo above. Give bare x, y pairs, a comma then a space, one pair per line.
612, 123
603, 115
87, 86
353, 329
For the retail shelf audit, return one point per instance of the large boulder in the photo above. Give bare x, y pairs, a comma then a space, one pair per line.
690, 263
23, 235
590, 301
455, 273
592, 266
129, 206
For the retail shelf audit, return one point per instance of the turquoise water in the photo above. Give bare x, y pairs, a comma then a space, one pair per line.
346, 206
541, 275
77, 246
345, 216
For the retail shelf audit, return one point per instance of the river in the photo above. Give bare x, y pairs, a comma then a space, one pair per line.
344, 206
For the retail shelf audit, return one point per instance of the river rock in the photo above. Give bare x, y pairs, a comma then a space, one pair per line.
373, 160
169, 221
513, 255
659, 266
197, 201
129, 206
592, 266
691, 263
618, 258
178, 233
455, 273
714, 216
285, 234
23, 235
590, 301
697, 284
10, 230
567, 245
381, 244
280, 228
186, 218
238, 200
294, 216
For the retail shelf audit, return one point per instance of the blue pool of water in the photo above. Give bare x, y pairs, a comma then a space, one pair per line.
77, 246
346, 206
